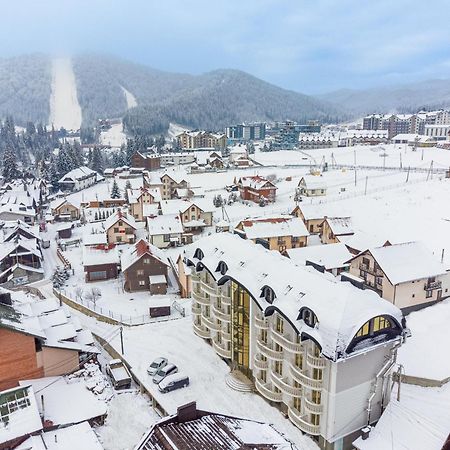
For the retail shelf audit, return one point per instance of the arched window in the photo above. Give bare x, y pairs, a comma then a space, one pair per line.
222, 268
268, 294
374, 326
199, 254
308, 316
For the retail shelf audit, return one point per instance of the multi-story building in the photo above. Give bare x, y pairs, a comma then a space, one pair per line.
439, 132
202, 139
247, 132
254, 188
319, 349
78, 179
147, 161
407, 274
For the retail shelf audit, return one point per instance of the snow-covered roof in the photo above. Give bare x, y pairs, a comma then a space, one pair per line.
119, 215
75, 437
312, 182
330, 256
94, 238
406, 262
312, 211
138, 250
166, 224
134, 194
177, 206
60, 392
341, 309
277, 226
157, 279
79, 173
176, 177
94, 257
214, 431
419, 421
340, 225
256, 182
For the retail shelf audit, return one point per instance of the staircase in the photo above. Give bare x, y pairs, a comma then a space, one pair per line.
239, 382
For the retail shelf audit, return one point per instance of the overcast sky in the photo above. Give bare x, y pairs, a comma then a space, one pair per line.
311, 46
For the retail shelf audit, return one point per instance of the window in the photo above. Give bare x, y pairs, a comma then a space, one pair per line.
140, 272
141, 283
317, 374
166, 238
299, 360
308, 316
279, 367
279, 324
364, 330
118, 238
268, 293
146, 260
99, 275
316, 397
297, 403
116, 230
315, 419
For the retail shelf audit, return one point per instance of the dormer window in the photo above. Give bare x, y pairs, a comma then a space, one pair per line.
199, 254
268, 294
222, 268
308, 316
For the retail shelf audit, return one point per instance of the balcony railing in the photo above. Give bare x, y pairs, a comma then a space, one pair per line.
312, 407
298, 419
304, 380
267, 392
284, 386
429, 286
221, 349
211, 290
261, 323
196, 310
268, 352
221, 314
258, 363
372, 270
211, 323
199, 297
201, 331
226, 299
315, 361
285, 342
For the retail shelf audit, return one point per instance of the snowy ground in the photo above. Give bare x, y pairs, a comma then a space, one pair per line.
114, 137
391, 155
65, 111
174, 130
130, 98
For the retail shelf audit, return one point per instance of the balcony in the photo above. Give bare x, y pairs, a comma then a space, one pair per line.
298, 420
199, 297
201, 331
196, 310
284, 386
431, 285
304, 380
226, 300
315, 361
264, 348
221, 349
211, 290
258, 363
261, 323
221, 314
267, 392
211, 323
372, 270
312, 407
225, 335
285, 342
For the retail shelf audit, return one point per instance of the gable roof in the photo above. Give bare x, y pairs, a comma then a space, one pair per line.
256, 182
266, 227
78, 174
330, 256
340, 225
406, 262
312, 182
119, 215
166, 224
138, 250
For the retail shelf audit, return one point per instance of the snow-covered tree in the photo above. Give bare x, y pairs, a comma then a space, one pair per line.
127, 186
10, 171
115, 191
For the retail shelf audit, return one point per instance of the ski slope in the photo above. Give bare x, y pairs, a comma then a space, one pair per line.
65, 111
130, 98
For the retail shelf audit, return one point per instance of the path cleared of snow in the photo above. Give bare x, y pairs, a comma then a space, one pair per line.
65, 111
130, 98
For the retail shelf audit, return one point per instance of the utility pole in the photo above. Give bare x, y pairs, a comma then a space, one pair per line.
365, 187
407, 174
401, 165
354, 160
121, 339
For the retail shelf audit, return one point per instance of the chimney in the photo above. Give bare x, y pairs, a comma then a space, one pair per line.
365, 432
187, 412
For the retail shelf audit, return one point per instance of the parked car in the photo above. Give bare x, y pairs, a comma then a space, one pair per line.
165, 371
119, 374
172, 382
157, 364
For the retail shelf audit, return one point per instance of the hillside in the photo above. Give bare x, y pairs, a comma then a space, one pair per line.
25, 87
429, 94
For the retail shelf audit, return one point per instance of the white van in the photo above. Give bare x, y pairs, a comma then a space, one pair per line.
172, 382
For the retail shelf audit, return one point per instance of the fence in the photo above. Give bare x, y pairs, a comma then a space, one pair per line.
89, 308
63, 259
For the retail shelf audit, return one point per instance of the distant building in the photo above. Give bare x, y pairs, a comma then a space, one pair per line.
202, 139
312, 216
170, 183
274, 233
192, 429
247, 132
177, 158
165, 230
78, 179
120, 228
288, 133
254, 188
336, 229
150, 161
100, 264
65, 210
312, 186
438, 132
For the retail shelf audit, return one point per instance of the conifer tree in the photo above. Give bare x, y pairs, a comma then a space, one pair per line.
115, 191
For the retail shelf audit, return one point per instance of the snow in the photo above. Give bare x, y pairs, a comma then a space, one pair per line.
174, 130
330, 256
65, 111
58, 393
419, 421
423, 353
113, 137
70, 438
130, 98
131, 409
267, 227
